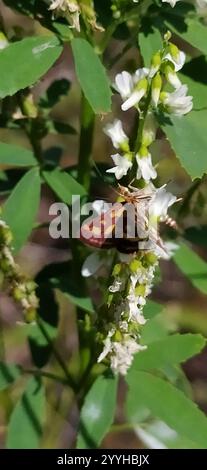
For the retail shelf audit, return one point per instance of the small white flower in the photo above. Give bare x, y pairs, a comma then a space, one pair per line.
134, 99
116, 286
116, 133
173, 79
124, 84
177, 60
131, 88
69, 9
143, 72
145, 167
107, 347
91, 265
135, 312
123, 165
123, 354
171, 2
160, 203
178, 102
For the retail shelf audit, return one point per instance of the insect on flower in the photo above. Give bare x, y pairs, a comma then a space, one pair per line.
123, 226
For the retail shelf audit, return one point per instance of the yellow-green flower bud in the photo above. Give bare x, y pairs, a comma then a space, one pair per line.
156, 88
30, 315
167, 36
117, 337
116, 270
150, 258
142, 85
18, 294
174, 51
135, 265
140, 290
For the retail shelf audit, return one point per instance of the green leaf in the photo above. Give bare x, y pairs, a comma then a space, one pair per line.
192, 266
12, 155
42, 335
97, 413
150, 42
8, 374
25, 426
197, 235
35, 57
172, 350
92, 76
188, 138
193, 75
63, 184
151, 309
153, 330
167, 403
61, 276
20, 209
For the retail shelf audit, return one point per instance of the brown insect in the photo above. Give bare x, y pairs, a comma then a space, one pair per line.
121, 225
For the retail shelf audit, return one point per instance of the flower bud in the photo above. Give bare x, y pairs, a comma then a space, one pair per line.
149, 131
30, 315
174, 51
140, 290
135, 265
171, 75
155, 64
156, 88
116, 270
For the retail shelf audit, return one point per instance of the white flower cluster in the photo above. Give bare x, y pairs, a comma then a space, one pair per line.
72, 9
69, 9
132, 283
133, 276
147, 84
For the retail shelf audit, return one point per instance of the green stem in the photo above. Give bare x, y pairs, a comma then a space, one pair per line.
107, 36
86, 143
142, 118
56, 354
48, 375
